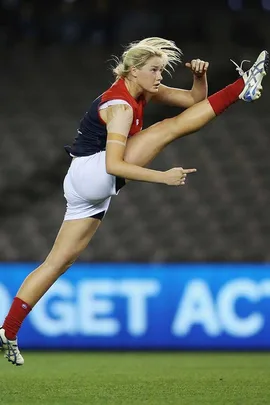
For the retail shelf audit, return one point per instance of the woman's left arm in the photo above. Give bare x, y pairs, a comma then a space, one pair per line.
199, 89
186, 98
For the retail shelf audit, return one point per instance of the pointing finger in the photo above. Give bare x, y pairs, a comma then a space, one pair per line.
187, 171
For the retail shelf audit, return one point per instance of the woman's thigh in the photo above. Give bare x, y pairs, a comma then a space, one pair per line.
143, 147
146, 145
72, 239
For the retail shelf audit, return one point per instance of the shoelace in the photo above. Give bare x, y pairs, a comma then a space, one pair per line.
240, 68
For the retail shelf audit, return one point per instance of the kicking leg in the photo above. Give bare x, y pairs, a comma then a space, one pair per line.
145, 146
142, 148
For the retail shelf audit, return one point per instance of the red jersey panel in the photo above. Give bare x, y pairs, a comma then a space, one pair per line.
119, 91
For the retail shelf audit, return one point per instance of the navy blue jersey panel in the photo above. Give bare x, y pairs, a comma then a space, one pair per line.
91, 134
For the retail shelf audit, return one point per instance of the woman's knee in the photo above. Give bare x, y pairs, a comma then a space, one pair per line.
166, 128
59, 265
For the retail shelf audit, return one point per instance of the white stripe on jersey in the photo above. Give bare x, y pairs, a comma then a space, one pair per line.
112, 102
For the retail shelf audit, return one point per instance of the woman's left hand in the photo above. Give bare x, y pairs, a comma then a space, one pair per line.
198, 67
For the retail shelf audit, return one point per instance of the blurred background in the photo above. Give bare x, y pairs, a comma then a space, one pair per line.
55, 59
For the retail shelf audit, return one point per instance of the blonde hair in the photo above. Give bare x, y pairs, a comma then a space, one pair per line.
137, 54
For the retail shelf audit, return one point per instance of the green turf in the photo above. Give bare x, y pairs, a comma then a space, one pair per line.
137, 378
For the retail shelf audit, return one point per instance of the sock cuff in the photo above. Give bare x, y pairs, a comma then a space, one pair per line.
19, 302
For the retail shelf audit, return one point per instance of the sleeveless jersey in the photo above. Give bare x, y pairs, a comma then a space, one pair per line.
92, 133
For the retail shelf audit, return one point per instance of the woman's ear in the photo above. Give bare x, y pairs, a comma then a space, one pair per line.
133, 71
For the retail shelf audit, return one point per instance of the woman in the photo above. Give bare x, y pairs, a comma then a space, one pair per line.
111, 147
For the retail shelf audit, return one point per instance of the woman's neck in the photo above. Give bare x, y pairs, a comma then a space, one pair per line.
133, 88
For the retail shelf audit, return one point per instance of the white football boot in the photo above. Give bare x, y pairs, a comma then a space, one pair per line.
10, 348
253, 77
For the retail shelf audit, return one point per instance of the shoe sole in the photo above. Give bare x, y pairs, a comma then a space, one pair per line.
14, 364
266, 62
265, 68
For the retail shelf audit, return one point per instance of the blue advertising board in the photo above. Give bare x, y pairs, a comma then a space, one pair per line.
135, 306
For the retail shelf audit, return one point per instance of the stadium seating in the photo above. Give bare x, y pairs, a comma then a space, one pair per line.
222, 214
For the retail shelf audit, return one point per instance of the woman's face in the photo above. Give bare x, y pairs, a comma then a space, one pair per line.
149, 76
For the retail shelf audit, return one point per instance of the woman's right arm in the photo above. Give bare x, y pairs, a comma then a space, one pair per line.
119, 119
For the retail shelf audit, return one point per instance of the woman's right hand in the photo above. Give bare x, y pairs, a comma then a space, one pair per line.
177, 176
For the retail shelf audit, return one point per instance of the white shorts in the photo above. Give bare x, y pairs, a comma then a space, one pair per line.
88, 188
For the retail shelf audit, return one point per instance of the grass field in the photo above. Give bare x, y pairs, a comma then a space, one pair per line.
137, 378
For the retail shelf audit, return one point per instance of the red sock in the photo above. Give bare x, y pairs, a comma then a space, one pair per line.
17, 313
227, 96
